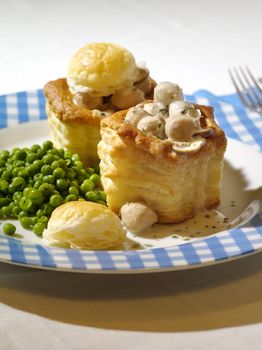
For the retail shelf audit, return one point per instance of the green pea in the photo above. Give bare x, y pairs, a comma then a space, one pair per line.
18, 183
49, 179
101, 195
90, 170
82, 174
36, 196
4, 154
48, 158
74, 183
87, 186
56, 200
22, 173
81, 178
70, 174
9, 229
6, 175
38, 177
5, 201
54, 151
43, 219
34, 220
75, 157
15, 211
25, 204
12, 204
18, 163
91, 196
26, 191
59, 173
14, 171
101, 202
20, 155
17, 196
31, 182
61, 184
35, 148
38, 228
38, 164
39, 213
6, 211
31, 157
31, 170
46, 189
73, 190
26, 222
41, 152
67, 162
47, 208
4, 186
96, 179
46, 169
67, 154
62, 163
71, 197
78, 164
37, 184
22, 214
55, 164
47, 145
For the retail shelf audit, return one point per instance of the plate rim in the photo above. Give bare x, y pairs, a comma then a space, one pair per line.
185, 256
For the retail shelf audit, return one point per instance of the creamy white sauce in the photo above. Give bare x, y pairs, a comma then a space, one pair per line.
204, 224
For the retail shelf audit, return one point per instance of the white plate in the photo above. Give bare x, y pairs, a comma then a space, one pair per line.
242, 183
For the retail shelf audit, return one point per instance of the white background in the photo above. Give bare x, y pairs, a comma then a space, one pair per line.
188, 42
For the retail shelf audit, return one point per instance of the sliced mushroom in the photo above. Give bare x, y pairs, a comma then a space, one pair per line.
190, 146
204, 132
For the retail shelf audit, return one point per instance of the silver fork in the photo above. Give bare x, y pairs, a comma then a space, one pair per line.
247, 87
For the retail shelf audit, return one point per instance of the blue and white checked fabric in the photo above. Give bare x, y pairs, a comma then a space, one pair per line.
237, 122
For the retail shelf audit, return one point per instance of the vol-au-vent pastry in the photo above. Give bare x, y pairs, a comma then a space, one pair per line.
167, 153
102, 78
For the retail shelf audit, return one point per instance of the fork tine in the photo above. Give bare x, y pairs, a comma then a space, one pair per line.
251, 87
241, 96
253, 79
245, 90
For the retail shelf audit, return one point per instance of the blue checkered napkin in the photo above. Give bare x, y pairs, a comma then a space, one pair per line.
22, 107
237, 122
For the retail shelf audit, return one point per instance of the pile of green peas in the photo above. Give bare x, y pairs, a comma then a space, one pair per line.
34, 181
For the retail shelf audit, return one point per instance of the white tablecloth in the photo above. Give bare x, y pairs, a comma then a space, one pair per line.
191, 43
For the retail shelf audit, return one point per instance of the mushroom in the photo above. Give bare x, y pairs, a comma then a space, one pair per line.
183, 108
127, 97
134, 115
85, 100
154, 108
137, 216
204, 132
152, 124
167, 92
189, 146
181, 128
